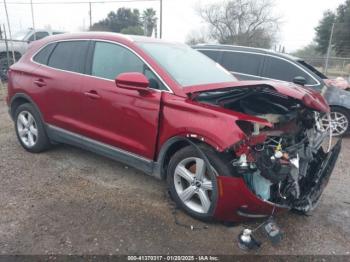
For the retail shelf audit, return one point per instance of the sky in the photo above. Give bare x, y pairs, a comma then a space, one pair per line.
298, 17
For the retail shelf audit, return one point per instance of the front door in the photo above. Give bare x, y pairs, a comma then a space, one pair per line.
126, 119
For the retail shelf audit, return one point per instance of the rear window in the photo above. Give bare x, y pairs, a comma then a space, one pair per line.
43, 55
69, 56
244, 63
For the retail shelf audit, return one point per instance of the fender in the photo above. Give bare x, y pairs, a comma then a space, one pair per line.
158, 168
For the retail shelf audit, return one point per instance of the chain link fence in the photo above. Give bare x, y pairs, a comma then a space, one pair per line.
337, 66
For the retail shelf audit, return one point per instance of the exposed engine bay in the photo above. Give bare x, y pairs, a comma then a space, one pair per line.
280, 164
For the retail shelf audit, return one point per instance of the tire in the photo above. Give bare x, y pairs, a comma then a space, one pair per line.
30, 129
189, 158
340, 119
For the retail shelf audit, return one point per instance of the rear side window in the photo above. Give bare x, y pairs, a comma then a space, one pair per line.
244, 63
69, 56
214, 55
110, 60
280, 69
43, 55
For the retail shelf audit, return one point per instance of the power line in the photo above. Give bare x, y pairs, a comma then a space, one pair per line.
80, 2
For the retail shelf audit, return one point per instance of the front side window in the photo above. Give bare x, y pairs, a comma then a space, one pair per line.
109, 60
241, 62
186, 66
280, 69
69, 56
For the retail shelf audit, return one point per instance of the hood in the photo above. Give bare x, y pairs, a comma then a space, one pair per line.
308, 96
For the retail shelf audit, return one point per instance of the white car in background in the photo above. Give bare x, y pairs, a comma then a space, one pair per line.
20, 43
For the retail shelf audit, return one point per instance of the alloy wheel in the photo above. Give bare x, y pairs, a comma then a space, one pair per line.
338, 123
27, 129
193, 185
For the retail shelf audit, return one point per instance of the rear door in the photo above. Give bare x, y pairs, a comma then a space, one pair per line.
243, 65
126, 119
59, 80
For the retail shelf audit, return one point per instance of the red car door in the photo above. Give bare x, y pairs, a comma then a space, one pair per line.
58, 82
127, 119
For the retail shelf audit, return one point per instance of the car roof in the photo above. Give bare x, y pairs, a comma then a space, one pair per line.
246, 49
105, 36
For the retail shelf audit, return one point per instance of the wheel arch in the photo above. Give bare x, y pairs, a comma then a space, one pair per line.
20, 99
169, 148
340, 107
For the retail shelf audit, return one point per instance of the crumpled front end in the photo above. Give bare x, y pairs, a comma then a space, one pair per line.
282, 166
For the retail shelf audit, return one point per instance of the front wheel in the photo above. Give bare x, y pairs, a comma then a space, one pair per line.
191, 186
338, 122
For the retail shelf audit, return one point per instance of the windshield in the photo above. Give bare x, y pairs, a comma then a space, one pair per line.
21, 35
185, 65
314, 70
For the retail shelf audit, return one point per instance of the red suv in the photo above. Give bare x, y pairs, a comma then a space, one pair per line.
229, 150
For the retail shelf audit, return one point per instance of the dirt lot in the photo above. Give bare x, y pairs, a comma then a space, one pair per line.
69, 201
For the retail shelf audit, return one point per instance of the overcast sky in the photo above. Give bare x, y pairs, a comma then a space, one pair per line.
299, 17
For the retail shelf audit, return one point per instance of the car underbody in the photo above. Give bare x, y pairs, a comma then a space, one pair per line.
286, 164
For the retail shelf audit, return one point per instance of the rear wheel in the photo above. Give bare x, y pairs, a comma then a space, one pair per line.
30, 129
191, 186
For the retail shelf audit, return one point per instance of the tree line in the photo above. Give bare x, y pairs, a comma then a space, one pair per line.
340, 45
127, 21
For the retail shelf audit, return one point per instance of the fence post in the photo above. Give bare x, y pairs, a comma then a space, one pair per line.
7, 47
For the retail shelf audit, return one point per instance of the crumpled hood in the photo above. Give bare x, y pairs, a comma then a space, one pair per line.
308, 96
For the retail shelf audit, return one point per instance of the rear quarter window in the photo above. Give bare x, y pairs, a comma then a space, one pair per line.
69, 56
42, 56
240, 62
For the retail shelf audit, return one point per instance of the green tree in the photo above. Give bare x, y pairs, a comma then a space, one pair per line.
132, 30
149, 20
323, 31
342, 30
117, 21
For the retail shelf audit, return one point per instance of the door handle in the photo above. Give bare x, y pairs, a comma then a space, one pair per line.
40, 82
92, 94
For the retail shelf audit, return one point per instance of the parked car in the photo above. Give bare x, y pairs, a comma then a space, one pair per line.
229, 150
260, 64
20, 42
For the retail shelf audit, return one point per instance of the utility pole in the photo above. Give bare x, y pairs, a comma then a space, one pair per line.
90, 15
161, 19
329, 50
32, 9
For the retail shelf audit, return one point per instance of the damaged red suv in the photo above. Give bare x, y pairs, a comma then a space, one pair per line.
229, 150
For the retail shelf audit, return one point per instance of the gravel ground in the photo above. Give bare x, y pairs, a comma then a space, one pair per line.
69, 201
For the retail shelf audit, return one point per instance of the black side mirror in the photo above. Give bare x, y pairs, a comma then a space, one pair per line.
299, 80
